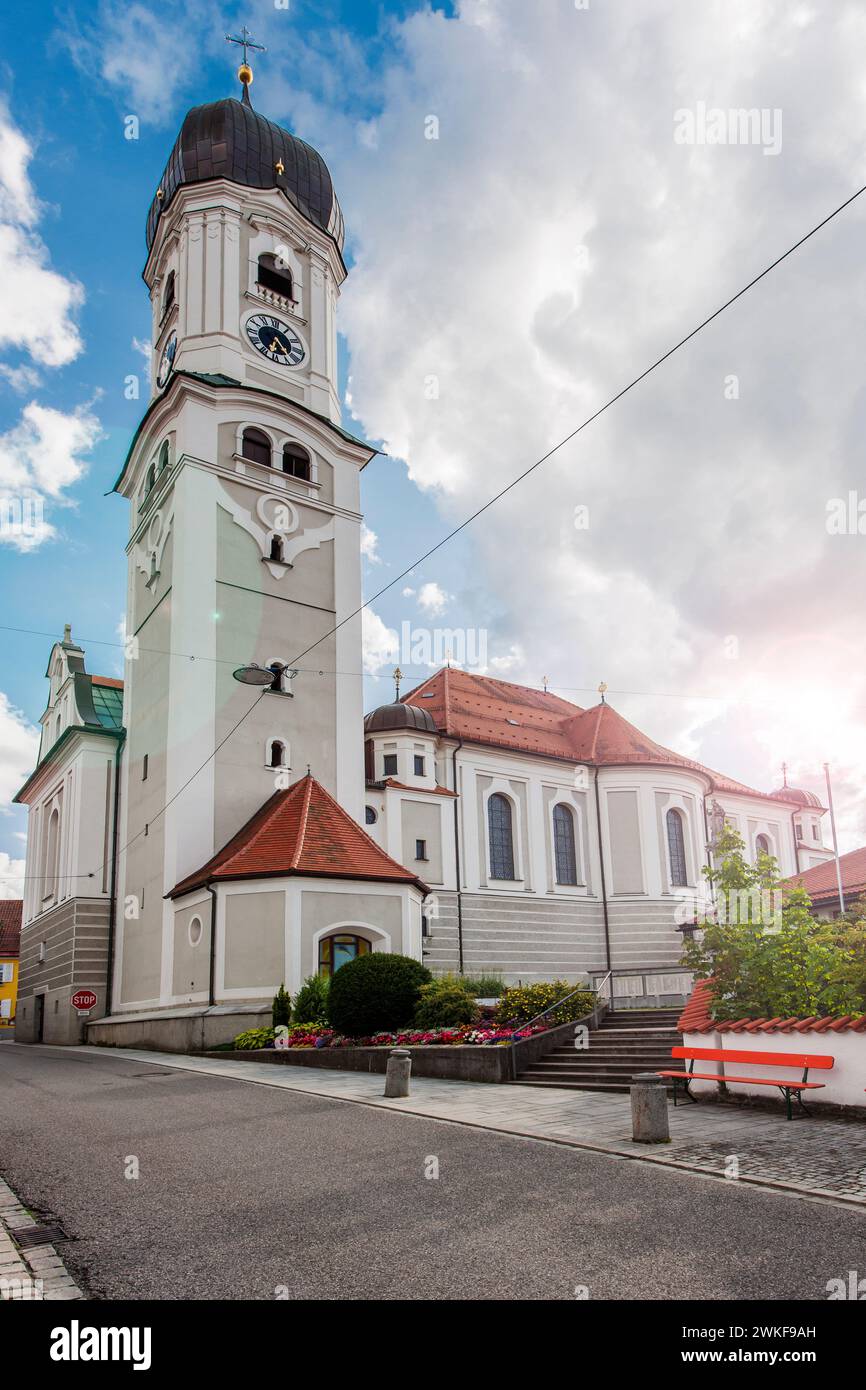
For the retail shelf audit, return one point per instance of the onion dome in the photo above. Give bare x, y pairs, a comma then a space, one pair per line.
799, 796
399, 716
229, 140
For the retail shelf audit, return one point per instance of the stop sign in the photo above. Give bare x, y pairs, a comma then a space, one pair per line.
83, 999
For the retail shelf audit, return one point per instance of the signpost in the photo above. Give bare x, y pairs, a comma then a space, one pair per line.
83, 1000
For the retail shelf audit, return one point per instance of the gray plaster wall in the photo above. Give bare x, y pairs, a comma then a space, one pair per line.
76, 953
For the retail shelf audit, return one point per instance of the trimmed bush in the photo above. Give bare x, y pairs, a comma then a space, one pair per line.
443, 1006
281, 1009
375, 993
524, 1002
311, 1003
253, 1037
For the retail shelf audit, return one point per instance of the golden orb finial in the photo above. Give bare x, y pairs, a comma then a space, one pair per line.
245, 74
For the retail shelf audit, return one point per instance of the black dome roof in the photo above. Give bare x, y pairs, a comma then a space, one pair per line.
399, 716
229, 140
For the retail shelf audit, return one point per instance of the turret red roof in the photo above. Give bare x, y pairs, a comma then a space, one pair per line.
820, 880
300, 831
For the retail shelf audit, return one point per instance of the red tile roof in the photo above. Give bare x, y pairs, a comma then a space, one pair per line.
10, 926
404, 787
820, 880
111, 681
300, 831
501, 715
695, 1018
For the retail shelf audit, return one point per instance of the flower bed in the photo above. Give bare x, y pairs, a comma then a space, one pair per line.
465, 1034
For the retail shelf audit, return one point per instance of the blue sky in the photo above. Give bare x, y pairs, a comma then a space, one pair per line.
546, 245
95, 187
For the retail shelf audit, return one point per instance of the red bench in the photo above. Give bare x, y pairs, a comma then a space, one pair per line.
806, 1060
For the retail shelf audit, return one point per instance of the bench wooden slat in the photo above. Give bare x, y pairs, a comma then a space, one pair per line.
752, 1080
814, 1061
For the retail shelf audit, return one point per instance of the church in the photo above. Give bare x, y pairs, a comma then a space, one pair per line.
224, 819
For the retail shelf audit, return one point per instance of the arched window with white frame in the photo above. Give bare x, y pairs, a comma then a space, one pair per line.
564, 845
296, 462
256, 446
274, 275
52, 855
276, 753
762, 844
676, 849
501, 836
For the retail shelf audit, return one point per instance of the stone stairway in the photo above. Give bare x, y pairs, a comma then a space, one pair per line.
628, 1041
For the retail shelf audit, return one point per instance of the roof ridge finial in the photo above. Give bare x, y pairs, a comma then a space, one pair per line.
602, 687
784, 774
67, 632
398, 676
245, 72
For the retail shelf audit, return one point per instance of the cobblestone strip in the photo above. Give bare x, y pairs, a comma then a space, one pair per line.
38, 1273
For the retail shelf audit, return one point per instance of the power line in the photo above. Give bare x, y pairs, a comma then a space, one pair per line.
588, 421
722, 698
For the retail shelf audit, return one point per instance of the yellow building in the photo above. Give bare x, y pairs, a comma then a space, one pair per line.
10, 933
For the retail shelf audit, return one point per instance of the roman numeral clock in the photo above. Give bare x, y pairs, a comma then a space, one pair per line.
275, 340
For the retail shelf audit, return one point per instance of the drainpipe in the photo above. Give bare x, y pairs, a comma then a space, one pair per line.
112, 904
211, 999
796, 842
603, 885
454, 753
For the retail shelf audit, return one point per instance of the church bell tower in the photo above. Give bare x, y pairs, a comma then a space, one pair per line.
244, 545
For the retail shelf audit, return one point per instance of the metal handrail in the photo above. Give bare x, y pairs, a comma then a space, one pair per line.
581, 989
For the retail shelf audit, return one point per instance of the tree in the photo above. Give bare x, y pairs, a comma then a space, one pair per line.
768, 956
281, 1009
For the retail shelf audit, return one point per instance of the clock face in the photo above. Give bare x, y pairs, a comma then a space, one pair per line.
166, 361
275, 340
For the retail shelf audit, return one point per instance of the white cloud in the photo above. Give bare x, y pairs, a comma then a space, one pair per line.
19, 746
369, 544
11, 876
432, 599
381, 644
42, 455
552, 242
37, 304
144, 54
21, 378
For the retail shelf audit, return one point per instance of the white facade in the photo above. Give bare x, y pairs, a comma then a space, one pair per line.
621, 907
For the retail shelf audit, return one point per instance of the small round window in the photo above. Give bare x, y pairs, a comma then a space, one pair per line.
195, 930
370, 815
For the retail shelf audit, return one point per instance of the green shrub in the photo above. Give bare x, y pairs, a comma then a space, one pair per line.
476, 986
311, 1003
442, 1006
253, 1037
281, 1009
375, 993
523, 1002
485, 986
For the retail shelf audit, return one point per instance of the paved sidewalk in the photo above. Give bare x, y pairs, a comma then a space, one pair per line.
809, 1156
37, 1273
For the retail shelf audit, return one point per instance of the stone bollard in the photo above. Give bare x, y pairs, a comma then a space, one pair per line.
649, 1109
398, 1073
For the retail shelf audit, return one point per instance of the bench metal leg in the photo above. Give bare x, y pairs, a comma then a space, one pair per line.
694, 1100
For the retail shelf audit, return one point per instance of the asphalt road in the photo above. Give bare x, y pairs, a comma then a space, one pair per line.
244, 1191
